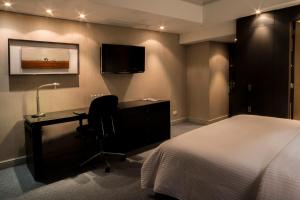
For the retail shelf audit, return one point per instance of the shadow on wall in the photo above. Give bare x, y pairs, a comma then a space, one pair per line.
118, 84
16, 137
31, 82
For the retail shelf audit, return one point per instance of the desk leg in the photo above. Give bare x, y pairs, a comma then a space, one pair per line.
34, 150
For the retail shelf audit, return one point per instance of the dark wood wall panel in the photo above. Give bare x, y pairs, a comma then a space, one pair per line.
262, 63
281, 65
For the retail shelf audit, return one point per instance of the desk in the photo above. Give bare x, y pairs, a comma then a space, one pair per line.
33, 136
139, 123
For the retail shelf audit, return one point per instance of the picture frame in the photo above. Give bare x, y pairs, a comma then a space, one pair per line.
29, 57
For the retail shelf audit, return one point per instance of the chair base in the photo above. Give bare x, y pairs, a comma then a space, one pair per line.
103, 154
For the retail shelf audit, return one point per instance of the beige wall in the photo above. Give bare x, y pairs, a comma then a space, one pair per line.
165, 76
197, 56
218, 86
207, 82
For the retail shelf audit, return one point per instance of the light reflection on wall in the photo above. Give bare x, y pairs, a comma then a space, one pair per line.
264, 19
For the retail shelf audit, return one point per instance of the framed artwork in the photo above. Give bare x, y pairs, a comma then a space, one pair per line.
27, 57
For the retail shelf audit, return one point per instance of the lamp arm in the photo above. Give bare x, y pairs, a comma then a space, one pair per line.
38, 96
39, 114
38, 100
47, 85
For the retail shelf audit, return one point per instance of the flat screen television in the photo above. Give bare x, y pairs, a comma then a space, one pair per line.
122, 59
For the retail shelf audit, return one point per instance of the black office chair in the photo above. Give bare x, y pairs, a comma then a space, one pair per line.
101, 126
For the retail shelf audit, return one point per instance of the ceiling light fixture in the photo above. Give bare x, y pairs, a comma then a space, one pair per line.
162, 28
49, 11
82, 16
258, 11
7, 4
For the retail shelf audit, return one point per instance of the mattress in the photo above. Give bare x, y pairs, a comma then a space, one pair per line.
225, 160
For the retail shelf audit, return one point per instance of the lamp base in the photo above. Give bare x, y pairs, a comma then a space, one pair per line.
38, 115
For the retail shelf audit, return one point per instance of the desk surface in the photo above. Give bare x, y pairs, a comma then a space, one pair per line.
55, 117
68, 115
137, 103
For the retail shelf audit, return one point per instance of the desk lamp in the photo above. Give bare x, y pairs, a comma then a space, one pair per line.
39, 114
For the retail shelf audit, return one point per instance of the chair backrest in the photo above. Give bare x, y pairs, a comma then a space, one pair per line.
102, 108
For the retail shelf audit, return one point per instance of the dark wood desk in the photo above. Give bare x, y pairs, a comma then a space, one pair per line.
139, 123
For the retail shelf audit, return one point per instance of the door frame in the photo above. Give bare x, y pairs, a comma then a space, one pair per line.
292, 68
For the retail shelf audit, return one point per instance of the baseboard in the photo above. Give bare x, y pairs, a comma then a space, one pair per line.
197, 121
12, 162
217, 119
206, 122
177, 121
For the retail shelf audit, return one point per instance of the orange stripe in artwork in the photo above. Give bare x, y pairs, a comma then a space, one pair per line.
33, 64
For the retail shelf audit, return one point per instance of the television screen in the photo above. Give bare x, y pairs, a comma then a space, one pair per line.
122, 59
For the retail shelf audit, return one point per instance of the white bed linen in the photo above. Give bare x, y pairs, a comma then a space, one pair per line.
220, 161
281, 180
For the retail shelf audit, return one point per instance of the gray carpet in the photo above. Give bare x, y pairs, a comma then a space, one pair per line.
123, 183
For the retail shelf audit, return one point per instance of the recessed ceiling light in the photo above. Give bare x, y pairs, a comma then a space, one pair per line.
257, 11
49, 11
162, 28
82, 16
7, 4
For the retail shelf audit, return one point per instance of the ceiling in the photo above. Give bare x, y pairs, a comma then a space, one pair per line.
178, 16
115, 12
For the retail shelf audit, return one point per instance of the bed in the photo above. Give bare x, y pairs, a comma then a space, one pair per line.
240, 158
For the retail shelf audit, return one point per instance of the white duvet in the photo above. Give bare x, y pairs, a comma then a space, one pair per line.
235, 159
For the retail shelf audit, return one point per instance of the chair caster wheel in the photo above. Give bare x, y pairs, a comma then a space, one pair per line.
107, 169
